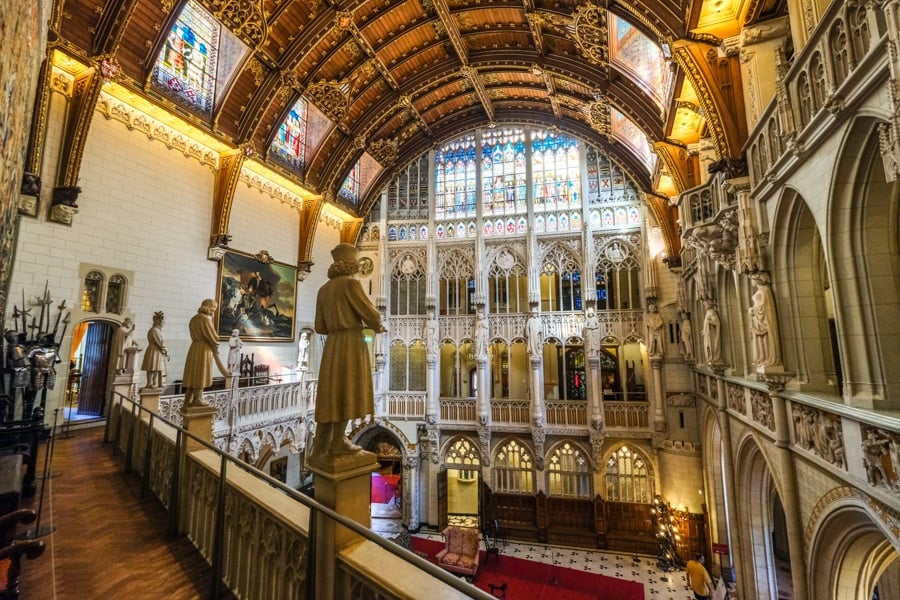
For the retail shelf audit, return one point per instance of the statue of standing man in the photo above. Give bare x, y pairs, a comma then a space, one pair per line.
156, 355
345, 376
203, 350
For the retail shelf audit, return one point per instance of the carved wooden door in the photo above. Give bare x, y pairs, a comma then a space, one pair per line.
95, 369
442, 499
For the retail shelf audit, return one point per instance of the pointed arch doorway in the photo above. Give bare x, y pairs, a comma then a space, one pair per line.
459, 485
88, 382
386, 493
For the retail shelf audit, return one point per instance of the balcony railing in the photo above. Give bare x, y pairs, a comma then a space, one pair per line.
626, 415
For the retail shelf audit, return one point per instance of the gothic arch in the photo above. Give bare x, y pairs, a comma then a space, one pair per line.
851, 548
648, 458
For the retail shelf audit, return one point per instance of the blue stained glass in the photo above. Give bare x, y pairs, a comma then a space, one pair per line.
289, 146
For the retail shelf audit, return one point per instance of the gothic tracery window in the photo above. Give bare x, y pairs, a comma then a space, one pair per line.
503, 172
507, 284
463, 453
513, 470
408, 287
560, 281
840, 52
455, 168
457, 284
569, 474
617, 277
628, 477
115, 294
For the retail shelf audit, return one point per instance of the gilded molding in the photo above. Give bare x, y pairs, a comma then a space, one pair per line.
686, 61
270, 188
384, 151
244, 18
591, 33
331, 97
673, 168
113, 109
230, 164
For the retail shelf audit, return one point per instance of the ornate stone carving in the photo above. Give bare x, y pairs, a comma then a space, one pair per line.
819, 432
736, 400
761, 405
384, 151
718, 239
881, 457
683, 399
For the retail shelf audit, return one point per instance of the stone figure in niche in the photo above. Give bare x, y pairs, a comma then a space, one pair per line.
654, 323
345, 376
875, 448
234, 351
763, 326
687, 337
123, 338
804, 425
431, 337
482, 336
204, 349
156, 355
303, 350
535, 335
711, 334
591, 334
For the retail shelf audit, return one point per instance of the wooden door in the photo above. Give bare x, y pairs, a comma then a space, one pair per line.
442, 499
95, 368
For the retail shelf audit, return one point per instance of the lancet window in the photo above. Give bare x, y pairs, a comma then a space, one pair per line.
455, 172
289, 145
507, 285
560, 281
569, 474
457, 285
628, 477
408, 287
617, 277
503, 189
115, 294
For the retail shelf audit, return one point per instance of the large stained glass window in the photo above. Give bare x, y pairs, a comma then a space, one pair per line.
628, 478
455, 166
513, 471
556, 174
569, 474
641, 58
186, 67
289, 145
503, 172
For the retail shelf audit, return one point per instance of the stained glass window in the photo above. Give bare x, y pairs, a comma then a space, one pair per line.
289, 145
455, 166
115, 294
503, 172
569, 474
556, 173
628, 477
513, 471
627, 131
641, 58
350, 187
186, 67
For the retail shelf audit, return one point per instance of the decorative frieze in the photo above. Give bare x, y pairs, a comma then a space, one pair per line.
736, 399
761, 405
819, 432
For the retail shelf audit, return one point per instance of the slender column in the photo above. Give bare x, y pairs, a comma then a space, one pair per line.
734, 548
659, 416
791, 495
595, 392
536, 386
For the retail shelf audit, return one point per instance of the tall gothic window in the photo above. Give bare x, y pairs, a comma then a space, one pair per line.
503, 172
513, 470
407, 287
569, 474
115, 294
628, 477
555, 171
840, 51
397, 363
457, 284
560, 281
455, 168
507, 284
407, 367
407, 195
617, 277
350, 188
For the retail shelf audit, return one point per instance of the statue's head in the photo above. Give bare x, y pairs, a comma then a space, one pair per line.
208, 306
158, 317
345, 252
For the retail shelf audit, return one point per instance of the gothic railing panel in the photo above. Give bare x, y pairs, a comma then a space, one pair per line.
510, 411
459, 410
626, 415
405, 406
567, 413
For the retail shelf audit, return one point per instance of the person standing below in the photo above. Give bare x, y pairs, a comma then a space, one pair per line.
345, 376
156, 355
698, 578
203, 350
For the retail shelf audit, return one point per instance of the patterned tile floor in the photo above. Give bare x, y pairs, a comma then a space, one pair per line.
658, 584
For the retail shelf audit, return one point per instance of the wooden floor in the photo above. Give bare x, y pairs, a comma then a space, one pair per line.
106, 542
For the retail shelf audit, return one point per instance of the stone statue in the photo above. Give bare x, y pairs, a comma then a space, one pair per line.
431, 337
123, 339
687, 337
711, 334
482, 336
535, 335
875, 447
203, 350
303, 350
763, 326
591, 335
345, 376
156, 355
234, 351
654, 323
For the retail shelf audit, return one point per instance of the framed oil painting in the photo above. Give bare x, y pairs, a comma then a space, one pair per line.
256, 297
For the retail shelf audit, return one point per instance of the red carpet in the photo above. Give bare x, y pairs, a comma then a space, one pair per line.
529, 580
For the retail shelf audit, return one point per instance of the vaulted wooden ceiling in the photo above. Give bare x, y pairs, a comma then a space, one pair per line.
398, 77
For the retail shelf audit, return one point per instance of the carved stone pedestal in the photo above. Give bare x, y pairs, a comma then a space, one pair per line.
150, 398
198, 420
343, 484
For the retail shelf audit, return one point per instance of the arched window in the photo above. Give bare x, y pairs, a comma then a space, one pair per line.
819, 81
90, 294
407, 195
840, 52
455, 166
507, 284
503, 172
555, 171
859, 32
398, 366
408, 287
463, 453
804, 92
628, 477
774, 140
617, 277
569, 474
289, 145
560, 281
350, 188
115, 294
513, 470
457, 284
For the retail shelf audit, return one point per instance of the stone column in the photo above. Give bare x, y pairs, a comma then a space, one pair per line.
536, 385
343, 485
734, 548
595, 392
791, 498
659, 415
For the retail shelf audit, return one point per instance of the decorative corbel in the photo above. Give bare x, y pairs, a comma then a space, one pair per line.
309, 217
230, 164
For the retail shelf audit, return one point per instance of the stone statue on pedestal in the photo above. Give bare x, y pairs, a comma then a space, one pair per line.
156, 355
203, 350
